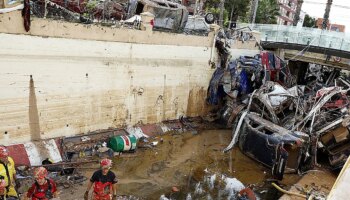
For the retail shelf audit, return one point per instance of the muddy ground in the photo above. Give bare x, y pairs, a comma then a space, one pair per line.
193, 163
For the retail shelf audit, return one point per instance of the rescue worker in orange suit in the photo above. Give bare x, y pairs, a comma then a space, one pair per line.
7, 175
43, 188
104, 181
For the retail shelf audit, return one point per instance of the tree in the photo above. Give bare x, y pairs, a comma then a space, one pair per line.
267, 13
309, 21
326, 14
238, 8
297, 12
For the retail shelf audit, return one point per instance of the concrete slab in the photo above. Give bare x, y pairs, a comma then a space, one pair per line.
19, 154
340, 188
323, 180
152, 129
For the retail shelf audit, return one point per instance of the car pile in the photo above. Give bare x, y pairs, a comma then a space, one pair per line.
282, 124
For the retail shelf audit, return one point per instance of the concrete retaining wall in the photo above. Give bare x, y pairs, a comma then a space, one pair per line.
79, 86
62, 79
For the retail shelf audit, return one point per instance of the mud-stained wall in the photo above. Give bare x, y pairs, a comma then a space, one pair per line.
57, 87
62, 79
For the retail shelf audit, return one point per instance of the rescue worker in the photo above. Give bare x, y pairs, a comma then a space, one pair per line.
43, 188
8, 175
104, 181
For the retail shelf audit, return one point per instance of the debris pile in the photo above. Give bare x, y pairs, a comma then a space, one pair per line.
280, 119
168, 15
211, 185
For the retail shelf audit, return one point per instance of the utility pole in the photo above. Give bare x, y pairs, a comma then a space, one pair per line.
253, 9
326, 14
297, 12
221, 16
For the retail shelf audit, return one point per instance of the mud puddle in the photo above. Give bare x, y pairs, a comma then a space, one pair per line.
188, 166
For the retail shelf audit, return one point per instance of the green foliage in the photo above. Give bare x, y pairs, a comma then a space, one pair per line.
309, 21
239, 8
90, 6
267, 12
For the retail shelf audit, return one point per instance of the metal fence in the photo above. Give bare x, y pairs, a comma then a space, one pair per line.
302, 35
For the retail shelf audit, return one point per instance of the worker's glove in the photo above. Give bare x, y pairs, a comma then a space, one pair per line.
86, 195
114, 197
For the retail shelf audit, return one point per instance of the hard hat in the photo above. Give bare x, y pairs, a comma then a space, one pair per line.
106, 163
3, 152
40, 173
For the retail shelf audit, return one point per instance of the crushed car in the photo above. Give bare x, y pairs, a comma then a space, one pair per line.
281, 119
168, 16
197, 25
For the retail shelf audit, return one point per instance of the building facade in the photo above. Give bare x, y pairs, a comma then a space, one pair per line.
332, 27
287, 11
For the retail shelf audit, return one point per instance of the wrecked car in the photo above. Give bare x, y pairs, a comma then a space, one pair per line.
196, 26
272, 145
168, 15
280, 119
310, 123
325, 121
264, 137
232, 82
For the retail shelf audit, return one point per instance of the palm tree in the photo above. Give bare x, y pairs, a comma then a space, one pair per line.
297, 12
326, 14
253, 8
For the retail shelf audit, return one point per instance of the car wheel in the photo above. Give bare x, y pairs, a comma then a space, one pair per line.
209, 18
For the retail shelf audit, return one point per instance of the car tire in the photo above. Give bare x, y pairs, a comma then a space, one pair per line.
209, 18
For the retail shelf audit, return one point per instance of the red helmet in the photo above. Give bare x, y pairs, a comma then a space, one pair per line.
106, 163
40, 173
3, 152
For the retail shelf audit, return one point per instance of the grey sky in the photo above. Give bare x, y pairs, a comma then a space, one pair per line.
340, 12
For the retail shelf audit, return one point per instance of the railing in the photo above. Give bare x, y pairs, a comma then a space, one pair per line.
302, 35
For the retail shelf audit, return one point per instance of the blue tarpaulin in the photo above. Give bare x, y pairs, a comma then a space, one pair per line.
213, 90
244, 87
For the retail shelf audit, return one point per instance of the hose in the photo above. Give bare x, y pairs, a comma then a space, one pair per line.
287, 192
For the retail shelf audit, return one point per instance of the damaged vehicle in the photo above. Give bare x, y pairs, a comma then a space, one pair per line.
326, 124
282, 120
285, 128
197, 25
272, 145
168, 16
263, 136
236, 79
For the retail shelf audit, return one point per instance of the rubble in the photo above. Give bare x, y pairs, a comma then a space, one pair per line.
280, 119
168, 15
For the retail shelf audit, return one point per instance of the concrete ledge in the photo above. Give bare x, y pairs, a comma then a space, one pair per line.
33, 153
13, 23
